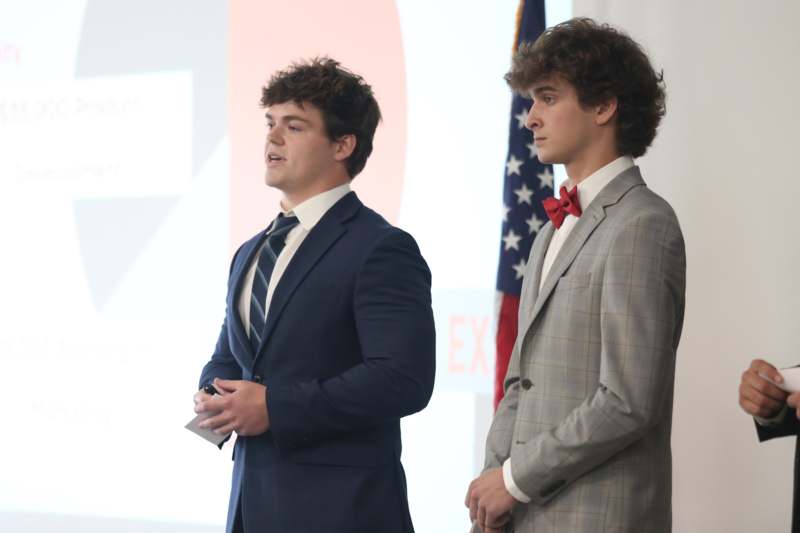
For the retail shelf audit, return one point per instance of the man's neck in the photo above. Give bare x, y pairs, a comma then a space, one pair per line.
579, 170
291, 199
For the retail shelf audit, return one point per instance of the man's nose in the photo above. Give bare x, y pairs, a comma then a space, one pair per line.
274, 136
533, 120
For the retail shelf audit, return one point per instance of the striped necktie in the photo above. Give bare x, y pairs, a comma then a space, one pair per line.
276, 239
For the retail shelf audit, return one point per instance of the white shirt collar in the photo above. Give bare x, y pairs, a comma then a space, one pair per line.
589, 188
310, 211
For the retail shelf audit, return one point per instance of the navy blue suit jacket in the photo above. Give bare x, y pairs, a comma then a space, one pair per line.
348, 350
790, 426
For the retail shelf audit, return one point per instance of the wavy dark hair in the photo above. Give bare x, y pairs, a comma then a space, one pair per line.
601, 62
345, 100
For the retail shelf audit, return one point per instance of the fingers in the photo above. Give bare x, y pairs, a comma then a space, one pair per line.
502, 521
218, 422
755, 403
753, 409
482, 516
226, 385
485, 509
758, 381
757, 396
756, 386
201, 396
493, 519
472, 502
494, 524
759, 366
473, 509
212, 404
227, 428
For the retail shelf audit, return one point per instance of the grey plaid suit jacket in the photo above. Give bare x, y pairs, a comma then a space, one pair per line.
587, 411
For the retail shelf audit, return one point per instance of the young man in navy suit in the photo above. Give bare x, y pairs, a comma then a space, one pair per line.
328, 338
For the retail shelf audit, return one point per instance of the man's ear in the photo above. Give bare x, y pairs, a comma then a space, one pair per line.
344, 147
605, 111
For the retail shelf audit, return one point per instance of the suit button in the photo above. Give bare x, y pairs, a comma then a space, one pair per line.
257, 378
526, 384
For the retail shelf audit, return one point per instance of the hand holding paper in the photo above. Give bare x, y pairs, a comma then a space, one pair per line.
240, 406
207, 393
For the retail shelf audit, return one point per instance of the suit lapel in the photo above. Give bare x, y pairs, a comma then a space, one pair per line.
592, 216
540, 246
245, 355
589, 220
313, 248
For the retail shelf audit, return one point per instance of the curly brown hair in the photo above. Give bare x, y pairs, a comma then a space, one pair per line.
345, 100
601, 62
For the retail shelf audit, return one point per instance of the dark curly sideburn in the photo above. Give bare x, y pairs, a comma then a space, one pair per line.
601, 63
345, 100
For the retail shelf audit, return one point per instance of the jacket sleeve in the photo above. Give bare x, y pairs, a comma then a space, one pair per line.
394, 322
222, 364
498, 441
641, 314
789, 425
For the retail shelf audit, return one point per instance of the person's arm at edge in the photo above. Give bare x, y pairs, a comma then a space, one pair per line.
222, 363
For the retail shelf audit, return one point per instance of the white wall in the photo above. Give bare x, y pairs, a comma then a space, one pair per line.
725, 158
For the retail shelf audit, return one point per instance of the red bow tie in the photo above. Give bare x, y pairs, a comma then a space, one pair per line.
558, 208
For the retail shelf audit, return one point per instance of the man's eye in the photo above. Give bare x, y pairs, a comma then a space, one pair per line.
293, 128
270, 125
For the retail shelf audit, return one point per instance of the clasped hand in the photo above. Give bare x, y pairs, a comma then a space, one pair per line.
489, 502
240, 406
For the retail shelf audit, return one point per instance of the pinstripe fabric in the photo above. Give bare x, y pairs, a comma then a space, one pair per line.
586, 418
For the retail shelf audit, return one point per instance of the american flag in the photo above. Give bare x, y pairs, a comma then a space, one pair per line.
527, 182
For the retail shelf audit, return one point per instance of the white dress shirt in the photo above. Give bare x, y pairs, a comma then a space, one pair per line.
308, 214
588, 189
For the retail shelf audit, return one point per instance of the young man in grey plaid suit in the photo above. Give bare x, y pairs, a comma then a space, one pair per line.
581, 440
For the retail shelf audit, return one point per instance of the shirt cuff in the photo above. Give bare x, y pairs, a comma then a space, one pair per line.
775, 420
511, 487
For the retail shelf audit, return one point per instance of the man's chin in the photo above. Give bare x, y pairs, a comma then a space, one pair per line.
271, 180
546, 159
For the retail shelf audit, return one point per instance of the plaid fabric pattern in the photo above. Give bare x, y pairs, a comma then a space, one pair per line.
587, 414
